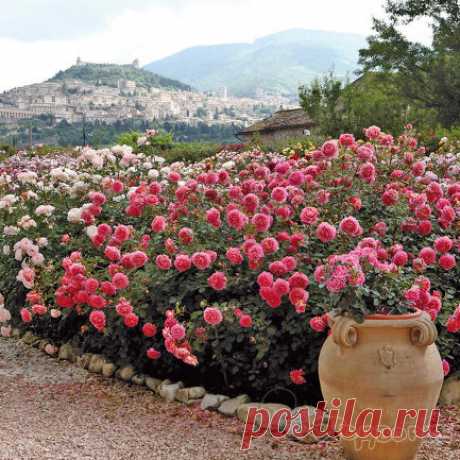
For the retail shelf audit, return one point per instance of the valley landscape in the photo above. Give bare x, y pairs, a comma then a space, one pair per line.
239, 89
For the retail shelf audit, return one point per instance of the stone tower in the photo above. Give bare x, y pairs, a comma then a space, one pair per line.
136, 63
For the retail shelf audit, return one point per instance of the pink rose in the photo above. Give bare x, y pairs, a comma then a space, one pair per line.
347, 140
163, 262
350, 226
185, 235
120, 281
5, 331
212, 316
39, 309
367, 172
279, 194
428, 255
5, 315
309, 215
218, 281
182, 262
330, 149
400, 258
158, 224
112, 253
213, 217
447, 261
318, 323
270, 245
178, 332
236, 219
443, 244
201, 260
373, 132
97, 319
265, 279
138, 259
262, 222
130, 320
445, 367
270, 296
326, 232
234, 256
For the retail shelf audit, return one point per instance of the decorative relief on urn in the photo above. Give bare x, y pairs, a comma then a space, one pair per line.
387, 356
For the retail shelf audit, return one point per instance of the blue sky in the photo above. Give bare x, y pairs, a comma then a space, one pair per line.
40, 37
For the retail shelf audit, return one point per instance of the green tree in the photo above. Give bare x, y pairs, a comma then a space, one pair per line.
373, 99
321, 99
429, 75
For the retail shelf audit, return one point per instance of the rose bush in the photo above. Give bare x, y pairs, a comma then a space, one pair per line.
223, 271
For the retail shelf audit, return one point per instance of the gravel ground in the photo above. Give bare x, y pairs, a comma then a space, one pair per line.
53, 410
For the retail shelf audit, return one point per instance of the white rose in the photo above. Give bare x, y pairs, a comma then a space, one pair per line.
91, 231
74, 216
42, 242
153, 173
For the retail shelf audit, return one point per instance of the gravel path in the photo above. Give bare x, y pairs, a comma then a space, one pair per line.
53, 410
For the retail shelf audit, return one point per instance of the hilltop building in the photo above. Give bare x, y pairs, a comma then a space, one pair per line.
127, 87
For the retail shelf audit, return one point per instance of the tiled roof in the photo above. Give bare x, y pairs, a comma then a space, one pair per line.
283, 119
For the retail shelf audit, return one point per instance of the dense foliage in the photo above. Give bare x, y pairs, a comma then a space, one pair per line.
338, 105
400, 81
428, 75
224, 271
100, 134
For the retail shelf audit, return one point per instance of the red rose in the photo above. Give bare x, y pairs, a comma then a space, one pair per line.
245, 321
447, 261
149, 330
152, 353
97, 319
297, 376
130, 320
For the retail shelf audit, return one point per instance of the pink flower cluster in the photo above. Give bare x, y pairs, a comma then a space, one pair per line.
340, 272
272, 290
419, 296
297, 229
453, 323
175, 340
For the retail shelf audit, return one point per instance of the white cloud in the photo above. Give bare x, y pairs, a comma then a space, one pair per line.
149, 30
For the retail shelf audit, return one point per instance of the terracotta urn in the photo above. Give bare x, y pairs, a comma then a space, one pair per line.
387, 363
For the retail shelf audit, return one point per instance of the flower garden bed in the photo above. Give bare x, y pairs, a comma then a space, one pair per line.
222, 272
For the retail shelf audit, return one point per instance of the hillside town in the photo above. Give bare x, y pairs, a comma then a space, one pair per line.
73, 100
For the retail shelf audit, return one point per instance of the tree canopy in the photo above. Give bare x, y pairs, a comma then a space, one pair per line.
429, 75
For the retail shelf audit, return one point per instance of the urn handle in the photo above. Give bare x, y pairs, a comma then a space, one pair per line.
344, 332
424, 332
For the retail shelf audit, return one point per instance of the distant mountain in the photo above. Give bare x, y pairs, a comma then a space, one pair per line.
277, 63
109, 74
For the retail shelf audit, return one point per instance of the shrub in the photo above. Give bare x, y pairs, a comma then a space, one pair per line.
236, 260
159, 143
